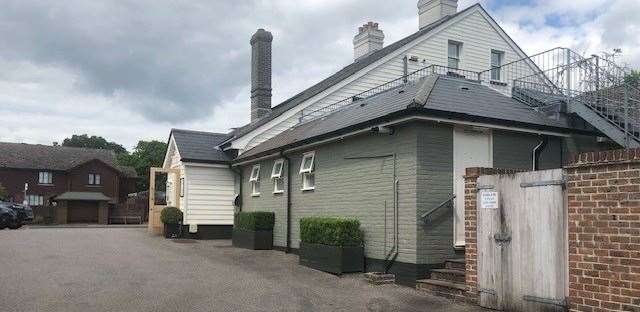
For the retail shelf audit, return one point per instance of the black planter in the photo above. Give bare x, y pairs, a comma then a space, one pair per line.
332, 259
256, 240
171, 230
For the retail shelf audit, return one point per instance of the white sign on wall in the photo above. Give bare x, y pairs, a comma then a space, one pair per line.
489, 200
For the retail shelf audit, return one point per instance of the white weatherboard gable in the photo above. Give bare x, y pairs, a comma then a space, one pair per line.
474, 28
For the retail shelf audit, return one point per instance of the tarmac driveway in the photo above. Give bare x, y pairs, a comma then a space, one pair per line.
125, 269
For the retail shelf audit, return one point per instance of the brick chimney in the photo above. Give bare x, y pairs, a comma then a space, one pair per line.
430, 11
260, 74
368, 40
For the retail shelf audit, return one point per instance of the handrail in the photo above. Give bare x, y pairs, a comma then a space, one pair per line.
425, 216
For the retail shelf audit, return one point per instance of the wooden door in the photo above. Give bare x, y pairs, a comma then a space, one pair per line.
522, 242
155, 226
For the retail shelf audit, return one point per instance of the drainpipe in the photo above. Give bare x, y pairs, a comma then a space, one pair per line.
537, 151
238, 201
288, 161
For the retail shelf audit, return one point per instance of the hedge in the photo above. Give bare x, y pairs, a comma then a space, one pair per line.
254, 221
170, 215
331, 231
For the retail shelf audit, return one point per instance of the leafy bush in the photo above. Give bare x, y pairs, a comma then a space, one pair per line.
331, 231
254, 221
171, 215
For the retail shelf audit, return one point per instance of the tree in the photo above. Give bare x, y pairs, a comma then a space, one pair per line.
633, 78
146, 154
3, 192
93, 142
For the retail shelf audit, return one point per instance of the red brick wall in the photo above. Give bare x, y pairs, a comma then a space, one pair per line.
470, 225
604, 231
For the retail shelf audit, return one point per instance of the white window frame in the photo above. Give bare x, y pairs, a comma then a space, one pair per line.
35, 200
277, 176
45, 177
456, 57
181, 187
496, 74
255, 180
308, 173
95, 179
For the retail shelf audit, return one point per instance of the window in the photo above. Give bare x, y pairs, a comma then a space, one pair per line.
94, 179
181, 187
255, 180
45, 177
306, 170
35, 200
276, 175
454, 54
496, 62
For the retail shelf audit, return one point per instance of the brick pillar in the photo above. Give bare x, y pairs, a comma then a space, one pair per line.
604, 231
470, 225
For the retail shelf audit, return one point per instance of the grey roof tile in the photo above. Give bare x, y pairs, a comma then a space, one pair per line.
37, 156
446, 98
199, 146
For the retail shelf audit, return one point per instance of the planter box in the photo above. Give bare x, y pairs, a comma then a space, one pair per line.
171, 230
256, 240
332, 259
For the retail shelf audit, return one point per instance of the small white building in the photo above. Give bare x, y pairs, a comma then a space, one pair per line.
206, 183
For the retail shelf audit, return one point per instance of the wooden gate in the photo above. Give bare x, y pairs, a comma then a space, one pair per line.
155, 226
522, 241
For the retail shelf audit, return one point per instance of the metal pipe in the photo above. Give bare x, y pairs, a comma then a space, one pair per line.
288, 218
537, 150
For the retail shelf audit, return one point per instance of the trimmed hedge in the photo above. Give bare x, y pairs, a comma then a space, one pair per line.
254, 221
170, 215
331, 231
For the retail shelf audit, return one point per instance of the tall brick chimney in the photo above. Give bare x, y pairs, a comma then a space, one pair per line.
430, 11
260, 74
368, 39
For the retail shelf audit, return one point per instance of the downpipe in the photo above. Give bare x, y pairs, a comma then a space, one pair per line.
288, 219
537, 151
391, 257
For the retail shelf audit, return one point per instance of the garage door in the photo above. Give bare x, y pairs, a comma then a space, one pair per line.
82, 212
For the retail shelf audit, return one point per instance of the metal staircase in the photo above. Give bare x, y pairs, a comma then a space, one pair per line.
590, 87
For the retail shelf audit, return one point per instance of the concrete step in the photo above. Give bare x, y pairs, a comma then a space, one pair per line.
455, 264
380, 278
442, 288
450, 275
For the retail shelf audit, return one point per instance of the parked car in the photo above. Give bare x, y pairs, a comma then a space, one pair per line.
24, 211
9, 217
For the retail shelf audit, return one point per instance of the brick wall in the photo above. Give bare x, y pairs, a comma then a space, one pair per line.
604, 231
470, 226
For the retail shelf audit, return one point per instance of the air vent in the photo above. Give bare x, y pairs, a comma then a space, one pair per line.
463, 88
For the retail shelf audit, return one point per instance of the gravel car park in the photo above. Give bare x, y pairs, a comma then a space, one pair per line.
125, 269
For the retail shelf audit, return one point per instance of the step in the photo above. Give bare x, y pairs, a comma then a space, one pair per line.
450, 275
380, 278
442, 288
455, 264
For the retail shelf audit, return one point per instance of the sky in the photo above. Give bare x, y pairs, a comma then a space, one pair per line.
131, 70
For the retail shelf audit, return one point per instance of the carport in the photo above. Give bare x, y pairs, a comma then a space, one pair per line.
82, 207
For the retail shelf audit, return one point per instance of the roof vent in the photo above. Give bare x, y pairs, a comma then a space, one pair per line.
463, 88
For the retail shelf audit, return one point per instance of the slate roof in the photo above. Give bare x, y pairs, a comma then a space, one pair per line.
63, 158
200, 146
89, 196
343, 74
448, 98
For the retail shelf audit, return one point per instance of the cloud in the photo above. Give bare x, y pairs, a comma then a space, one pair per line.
132, 69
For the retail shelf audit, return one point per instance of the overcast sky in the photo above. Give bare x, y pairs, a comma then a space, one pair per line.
131, 70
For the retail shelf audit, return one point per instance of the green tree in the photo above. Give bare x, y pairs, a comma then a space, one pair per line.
146, 154
3, 192
93, 141
633, 78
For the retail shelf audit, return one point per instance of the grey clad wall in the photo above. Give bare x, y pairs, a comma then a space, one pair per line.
513, 150
354, 178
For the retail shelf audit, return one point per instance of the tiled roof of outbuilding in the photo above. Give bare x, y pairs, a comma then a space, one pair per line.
200, 146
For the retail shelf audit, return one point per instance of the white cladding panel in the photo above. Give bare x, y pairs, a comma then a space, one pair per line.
474, 31
210, 192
